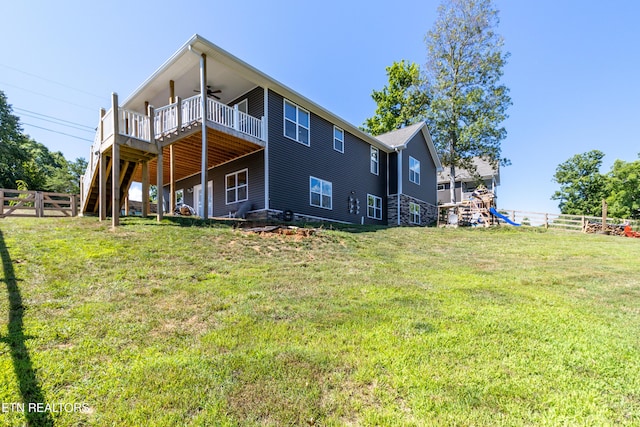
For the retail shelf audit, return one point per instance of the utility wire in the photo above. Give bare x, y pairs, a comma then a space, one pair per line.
51, 81
55, 131
47, 96
33, 114
57, 123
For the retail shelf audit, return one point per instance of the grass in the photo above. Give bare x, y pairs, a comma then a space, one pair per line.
187, 323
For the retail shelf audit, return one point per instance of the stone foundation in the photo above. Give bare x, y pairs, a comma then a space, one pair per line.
428, 212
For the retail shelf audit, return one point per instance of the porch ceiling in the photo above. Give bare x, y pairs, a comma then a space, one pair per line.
184, 70
222, 148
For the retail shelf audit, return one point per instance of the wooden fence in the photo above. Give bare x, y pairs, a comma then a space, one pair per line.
37, 203
560, 221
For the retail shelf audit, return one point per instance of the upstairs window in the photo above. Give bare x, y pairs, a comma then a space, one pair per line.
374, 160
296, 123
338, 139
414, 170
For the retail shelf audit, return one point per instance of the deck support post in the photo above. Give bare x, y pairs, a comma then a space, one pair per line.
172, 179
203, 177
145, 189
102, 177
115, 164
159, 168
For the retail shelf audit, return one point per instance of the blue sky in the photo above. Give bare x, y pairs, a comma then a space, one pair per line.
573, 70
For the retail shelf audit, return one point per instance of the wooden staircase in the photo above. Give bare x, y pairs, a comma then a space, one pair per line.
92, 201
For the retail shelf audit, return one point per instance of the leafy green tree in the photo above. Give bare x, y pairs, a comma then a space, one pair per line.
468, 103
402, 102
582, 186
24, 161
66, 177
623, 188
11, 138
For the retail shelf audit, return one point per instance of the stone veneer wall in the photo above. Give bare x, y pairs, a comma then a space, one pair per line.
428, 212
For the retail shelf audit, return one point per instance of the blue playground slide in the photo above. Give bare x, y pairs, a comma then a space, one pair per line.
503, 217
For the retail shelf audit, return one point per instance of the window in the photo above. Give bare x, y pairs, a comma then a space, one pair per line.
237, 186
320, 193
414, 170
374, 160
338, 139
296, 123
374, 206
414, 212
441, 187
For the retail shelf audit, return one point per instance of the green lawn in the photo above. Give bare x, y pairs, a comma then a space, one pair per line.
185, 323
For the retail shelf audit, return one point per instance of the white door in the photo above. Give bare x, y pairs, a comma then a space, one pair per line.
197, 198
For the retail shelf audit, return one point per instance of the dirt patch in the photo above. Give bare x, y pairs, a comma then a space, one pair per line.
282, 230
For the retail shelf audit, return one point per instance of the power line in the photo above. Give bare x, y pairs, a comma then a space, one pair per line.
57, 123
78, 126
47, 96
56, 131
51, 81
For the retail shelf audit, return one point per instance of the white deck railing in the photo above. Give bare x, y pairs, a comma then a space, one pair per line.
165, 121
133, 124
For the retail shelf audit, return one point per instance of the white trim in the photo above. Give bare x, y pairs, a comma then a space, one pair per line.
197, 196
411, 204
322, 181
334, 138
297, 122
266, 147
226, 189
375, 209
373, 149
399, 182
246, 103
414, 172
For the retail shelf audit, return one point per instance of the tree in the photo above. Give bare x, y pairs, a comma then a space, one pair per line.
623, 188
582, 186
402, 102
26, 161
11, 137
468, 103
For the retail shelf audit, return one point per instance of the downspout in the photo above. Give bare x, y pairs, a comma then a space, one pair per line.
399, 181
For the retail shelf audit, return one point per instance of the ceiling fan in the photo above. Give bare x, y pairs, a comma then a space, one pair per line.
210, 92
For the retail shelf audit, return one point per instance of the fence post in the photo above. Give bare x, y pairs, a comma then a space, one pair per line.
1, 203
39, 205
74, 205
546, 220
584, 224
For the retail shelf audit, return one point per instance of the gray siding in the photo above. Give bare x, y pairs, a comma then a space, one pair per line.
427, 190
255, 102
292, 163
255, 165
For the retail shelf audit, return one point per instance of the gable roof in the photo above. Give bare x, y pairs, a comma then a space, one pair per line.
228, 68
483, 168
399, 139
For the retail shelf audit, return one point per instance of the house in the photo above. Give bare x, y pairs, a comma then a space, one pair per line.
262, 150
467, 181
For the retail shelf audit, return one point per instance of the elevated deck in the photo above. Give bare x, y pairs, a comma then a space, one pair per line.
139, 143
